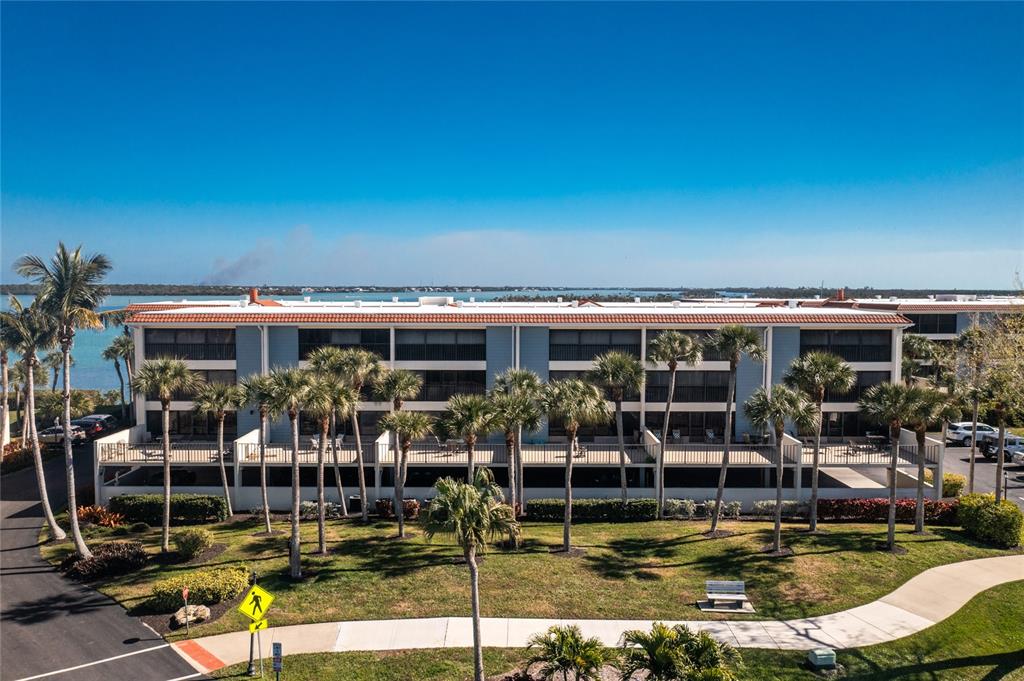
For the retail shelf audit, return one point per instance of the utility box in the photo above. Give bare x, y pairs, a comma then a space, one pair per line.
822, 658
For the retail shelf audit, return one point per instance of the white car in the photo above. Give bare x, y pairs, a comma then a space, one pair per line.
960, 433
1013, 448
55, 435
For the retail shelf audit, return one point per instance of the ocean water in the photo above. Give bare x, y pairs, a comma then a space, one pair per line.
92, 372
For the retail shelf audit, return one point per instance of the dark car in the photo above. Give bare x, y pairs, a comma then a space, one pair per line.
95, 425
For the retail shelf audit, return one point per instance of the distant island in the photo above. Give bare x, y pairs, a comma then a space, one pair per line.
520, 293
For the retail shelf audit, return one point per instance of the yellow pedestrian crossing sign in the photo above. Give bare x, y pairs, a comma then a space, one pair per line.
257, 626
256, 603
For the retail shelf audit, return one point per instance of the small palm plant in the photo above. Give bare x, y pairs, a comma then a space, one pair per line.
670, 347
259, 391
732, 341
621, 374
563, 653
772, 410
407, 426
472, 515
526, 384
396, 386
166, 378
575, 403
290, 388
358, 368
469, 417
891, 405
815, 374
216, 399
676, 654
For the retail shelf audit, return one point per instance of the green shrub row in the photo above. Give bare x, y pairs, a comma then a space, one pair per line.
999, 524
593, 510
186, 509
206, 587
108, 560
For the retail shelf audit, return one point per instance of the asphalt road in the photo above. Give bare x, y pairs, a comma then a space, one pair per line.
53, 628
958, 461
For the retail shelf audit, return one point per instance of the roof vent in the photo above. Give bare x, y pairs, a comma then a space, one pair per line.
472, 299
436, 300
574, 303
358, 303
394, 299
636, 299
676, 303
243, 301
558, 299
893, 299
458, 303
792, 304
306, 299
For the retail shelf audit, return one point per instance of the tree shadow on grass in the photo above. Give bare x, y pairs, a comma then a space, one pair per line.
389, 557
923, 667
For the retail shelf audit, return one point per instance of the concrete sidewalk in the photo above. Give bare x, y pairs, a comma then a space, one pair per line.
926, 599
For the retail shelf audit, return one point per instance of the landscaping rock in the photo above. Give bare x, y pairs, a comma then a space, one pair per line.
196, 613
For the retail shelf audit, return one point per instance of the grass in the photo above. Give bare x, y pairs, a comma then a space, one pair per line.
639, 570
982, 642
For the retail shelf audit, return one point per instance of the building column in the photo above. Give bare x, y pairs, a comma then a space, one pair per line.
897, 355
643, 390
139, 400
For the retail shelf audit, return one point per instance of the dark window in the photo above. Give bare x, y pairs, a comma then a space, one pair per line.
188, 425
702, 335
932, 323
226, 376
853, 346
438, 386
847, 424
628, 396
689, 424
374, 340
190, 343
440, 345
691, 386
573, 345
865, 379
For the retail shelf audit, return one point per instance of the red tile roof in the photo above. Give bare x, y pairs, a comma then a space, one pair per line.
513, 318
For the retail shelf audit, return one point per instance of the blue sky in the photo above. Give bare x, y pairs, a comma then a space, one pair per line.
563, 144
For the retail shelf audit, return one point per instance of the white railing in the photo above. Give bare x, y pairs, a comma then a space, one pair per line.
153, 452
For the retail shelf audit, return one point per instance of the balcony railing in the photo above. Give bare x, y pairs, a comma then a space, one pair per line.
382, 350
487, 454
309, 452
442, 353
853, 353
440, 392
585, 353
688, 393
878, 453
153, 453
190, 350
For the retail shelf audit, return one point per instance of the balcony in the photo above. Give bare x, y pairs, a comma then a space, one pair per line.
382, 350
135, 453
440, 392
688, 393
853, 353
441, 353
586, 353
198, 351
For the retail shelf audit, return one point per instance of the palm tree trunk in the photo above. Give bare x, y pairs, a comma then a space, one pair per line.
974, 445
56, 533
894, 434
622, 460
510, 453
5, 407
400, 456
777, 536
815, 463
470, 454
337, 468
919, 506
165, 536
567, 524
294, 542
321, 505
363, 506
56, 375
1000, 456
131, 395
120, 380
474, 587
660, 491
726, 437
220, 458
69, 460
520, 492
263, 470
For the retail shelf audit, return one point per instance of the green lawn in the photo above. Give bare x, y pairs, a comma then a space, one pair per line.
982, 642
639, 570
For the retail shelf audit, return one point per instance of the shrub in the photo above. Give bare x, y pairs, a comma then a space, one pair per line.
970, 507
730, 509
206, 587
385, 508
594, 510
185, 508
681, 508
308, 510
139, 527
877, 510
790, 509
108, 560
121, 531
193, 541
952, 483
984, 519
97, 515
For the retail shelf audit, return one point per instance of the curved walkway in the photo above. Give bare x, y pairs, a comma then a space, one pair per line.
927, 598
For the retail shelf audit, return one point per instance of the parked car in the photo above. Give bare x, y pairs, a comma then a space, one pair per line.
960, 433
95, 425
1012, 449
55, 435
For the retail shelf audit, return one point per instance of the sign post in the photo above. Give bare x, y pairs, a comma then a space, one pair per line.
278, 662
184, 595
254, 606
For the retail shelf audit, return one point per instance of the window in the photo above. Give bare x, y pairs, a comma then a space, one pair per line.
691, 386
188, 425
440, 345
225, 376
851, 345
374, 340
190, 343
701, 335
865, 379
932, 323
689, 424
578, 345
438, 386
564, 375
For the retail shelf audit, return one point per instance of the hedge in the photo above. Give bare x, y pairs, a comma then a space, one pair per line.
108, 560
999, 524
593, 510
877, 510
206, 587
185, 508
790, 509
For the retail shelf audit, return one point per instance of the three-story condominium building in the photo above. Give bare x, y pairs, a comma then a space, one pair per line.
460, 346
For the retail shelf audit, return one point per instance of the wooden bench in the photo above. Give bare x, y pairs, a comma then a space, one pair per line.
719, 590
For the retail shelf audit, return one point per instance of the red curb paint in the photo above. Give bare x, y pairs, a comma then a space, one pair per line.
200, 654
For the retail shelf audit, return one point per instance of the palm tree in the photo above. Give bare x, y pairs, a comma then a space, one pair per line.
562, 651
121, 348
53, 362
357, 368
319, 403
70, 290
772, 410
972, 356
620, 374
472, 514
574, 403
892, 405
916, 350
290, 388
527, 384
468, 417
396, 386
732, 341
166, 378
513, 412
112, 355
216, 399
259, 391
407, 426
5, 406
816, 374
670, 347
676, 654
49, 404
27, 330
326, 361
933, 406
